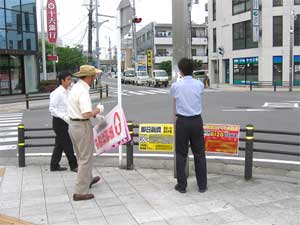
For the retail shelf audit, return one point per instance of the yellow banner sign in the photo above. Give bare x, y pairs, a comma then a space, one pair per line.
156, 137
149, 58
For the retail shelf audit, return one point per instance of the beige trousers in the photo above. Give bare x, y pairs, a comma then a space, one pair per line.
81, 133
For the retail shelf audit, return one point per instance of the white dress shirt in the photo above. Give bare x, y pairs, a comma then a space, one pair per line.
79, 100
58, 103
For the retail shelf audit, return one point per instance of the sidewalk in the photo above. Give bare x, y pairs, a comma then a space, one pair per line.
147, 197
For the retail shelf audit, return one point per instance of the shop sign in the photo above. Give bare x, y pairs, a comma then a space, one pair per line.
51, 21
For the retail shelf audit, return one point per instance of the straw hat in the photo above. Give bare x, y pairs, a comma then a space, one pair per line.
87, 70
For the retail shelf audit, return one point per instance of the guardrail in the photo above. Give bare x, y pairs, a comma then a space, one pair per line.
38, 96
275, 84
249, 139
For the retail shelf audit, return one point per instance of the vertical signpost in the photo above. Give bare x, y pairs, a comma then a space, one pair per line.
255, 17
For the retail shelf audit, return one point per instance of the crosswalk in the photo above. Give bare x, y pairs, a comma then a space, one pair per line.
114, 92
9, 130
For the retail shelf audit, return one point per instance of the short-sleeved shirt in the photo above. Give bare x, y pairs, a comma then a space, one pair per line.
188, 95
79, 100
58, 102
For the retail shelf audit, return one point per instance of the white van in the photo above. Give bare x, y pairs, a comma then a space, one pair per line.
159, 77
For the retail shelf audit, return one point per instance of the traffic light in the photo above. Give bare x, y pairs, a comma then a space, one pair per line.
136, 20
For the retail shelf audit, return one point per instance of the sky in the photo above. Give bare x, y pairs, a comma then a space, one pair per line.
72, 19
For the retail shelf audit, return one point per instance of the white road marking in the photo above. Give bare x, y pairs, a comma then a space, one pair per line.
8, 128
135, 93
12, 115
9, 120
4, 134
10, 139
8, 124
147, 92
247, 110
281, 105
159, 91
8, 147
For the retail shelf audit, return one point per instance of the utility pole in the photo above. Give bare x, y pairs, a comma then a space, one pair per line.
90, 32
97, 37
292, 18
110, 57
43, 40
133, 36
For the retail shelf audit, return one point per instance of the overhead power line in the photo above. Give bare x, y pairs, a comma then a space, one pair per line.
75, 27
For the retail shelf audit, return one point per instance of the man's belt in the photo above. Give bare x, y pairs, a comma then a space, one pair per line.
190, 117
79, 119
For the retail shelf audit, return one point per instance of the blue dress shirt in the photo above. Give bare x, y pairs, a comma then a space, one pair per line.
188, 95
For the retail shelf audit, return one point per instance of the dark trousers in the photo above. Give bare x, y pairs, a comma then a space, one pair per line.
62, 143
190, 129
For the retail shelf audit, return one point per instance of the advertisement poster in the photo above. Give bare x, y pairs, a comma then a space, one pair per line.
156, 137
111, 131
222, 138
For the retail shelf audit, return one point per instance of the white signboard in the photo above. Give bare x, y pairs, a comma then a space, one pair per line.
255, 33
112, 131
255, 4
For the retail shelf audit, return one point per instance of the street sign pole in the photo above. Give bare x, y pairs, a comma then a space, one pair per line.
43, 40
291, 72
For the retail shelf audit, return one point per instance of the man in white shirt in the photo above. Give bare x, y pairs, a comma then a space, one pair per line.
58, 110
81, 131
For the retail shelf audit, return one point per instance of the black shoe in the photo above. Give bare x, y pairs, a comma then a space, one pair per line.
202, 190
74, 170
181, 190
58, 168
94, 181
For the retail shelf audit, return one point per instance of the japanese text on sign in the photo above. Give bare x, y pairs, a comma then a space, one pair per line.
51, 21
222, 138
156, 137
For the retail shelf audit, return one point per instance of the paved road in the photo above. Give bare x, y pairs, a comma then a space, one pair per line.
265, 110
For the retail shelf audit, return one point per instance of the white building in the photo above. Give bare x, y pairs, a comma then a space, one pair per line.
230, 33
161, 43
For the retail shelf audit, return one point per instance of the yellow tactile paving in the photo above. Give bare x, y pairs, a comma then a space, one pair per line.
2, 171
7, 220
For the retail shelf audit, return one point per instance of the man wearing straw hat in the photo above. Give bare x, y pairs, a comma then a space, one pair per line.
81, 131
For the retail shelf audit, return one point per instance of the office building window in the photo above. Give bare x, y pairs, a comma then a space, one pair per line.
242, 36
2, 39
240, 6
161, 52
297, 70
297, 2
277, 69
13, 4
2, 19
214, 6
1, 3
245, 70
215, 40
297, 31
277, 31
194, 52
277, 3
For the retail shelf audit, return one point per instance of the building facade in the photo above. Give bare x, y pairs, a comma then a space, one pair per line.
233, 55
18, 47
158, 38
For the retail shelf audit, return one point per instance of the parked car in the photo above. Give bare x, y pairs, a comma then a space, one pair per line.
159, 77
141, 78
128, 76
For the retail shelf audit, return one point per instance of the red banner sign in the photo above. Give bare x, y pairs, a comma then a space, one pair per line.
52, 57
51, 21
221, 138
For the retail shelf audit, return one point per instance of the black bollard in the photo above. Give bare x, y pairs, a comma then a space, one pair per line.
249, 151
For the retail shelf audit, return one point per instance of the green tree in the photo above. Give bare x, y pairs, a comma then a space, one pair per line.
197, 64
49, 51
167, 66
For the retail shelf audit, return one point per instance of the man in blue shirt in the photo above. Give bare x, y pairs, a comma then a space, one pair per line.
187, 95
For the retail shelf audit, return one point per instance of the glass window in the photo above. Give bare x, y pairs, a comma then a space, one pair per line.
297, 31
16, 74
2, 19
245, 70
13, 4
2, 39
28, 6
12, 20
194, 52
214, 40
29, 41
277, 68
277, 3
4, 75
242, 36
2, 3
28, 22
277, 31
12, 39
240, 6
297, 2
297, 70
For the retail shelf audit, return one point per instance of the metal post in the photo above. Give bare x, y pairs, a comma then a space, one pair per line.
100, 90
97, 36
250, 85
274, 85
249, 151
21, 145
291, 74
106, 90
54, 62
43, 40
129, 148
27, 101
90, 32
133, 37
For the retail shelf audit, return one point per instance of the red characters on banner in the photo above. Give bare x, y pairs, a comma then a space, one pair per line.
117, 123
51, 21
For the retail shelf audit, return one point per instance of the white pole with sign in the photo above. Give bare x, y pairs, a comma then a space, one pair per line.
43, 40
255, 17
